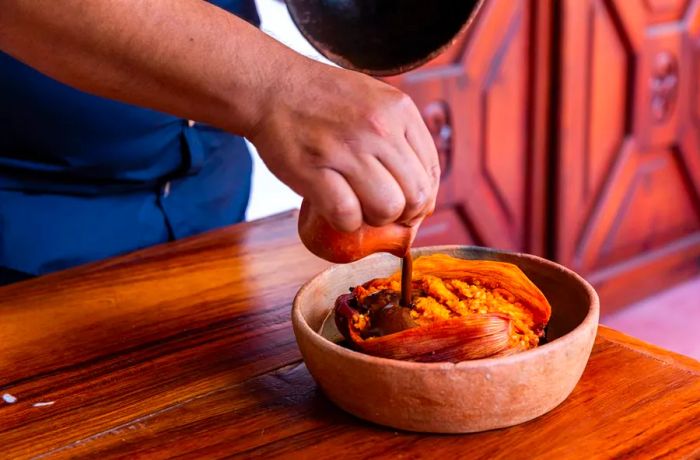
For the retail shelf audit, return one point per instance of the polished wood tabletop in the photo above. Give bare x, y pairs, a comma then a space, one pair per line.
186, 349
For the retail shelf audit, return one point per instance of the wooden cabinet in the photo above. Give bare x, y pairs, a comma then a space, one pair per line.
571, 129
628, 173
485, 101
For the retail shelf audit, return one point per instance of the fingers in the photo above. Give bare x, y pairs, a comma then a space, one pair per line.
421, 142
380, 195
361, 152
394, 173
416, 185
335, 199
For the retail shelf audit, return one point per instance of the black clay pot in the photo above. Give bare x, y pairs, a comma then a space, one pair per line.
381, 37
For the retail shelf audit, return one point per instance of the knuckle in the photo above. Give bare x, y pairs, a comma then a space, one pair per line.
381, 116
419, 199
321, 154
403, 104
378, 123
404, 101
388, 212
392, 208
342, 212
435, 172
395, 208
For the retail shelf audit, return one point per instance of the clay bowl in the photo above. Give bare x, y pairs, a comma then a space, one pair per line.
465, 397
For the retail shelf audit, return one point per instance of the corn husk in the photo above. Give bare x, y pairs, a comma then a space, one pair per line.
454, 339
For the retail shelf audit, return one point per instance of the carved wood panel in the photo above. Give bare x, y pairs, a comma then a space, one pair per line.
628, 183
479, 101
621, 201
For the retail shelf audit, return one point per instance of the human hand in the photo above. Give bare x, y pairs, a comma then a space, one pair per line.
356, 148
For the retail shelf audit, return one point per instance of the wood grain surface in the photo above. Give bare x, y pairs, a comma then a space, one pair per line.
186, 349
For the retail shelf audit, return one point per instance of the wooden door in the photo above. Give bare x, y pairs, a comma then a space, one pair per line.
628, 183
485, 101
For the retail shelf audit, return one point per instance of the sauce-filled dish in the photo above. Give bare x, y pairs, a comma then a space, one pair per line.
519, 379
457, 310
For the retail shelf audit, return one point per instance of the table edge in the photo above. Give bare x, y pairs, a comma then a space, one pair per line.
640, 346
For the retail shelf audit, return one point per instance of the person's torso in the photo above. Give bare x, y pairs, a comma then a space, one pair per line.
83, 177
51, 133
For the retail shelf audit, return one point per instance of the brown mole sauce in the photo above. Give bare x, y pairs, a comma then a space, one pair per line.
406, 279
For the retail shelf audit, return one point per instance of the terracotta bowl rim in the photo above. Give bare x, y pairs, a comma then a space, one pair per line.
589, 321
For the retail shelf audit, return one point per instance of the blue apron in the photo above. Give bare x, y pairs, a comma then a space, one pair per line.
84, 178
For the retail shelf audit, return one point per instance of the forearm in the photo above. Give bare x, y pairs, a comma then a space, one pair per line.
185, 57
355, 147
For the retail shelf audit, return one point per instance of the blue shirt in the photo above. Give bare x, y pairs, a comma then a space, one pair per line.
83, 178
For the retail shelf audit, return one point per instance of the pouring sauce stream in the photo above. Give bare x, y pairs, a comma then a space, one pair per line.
406, 278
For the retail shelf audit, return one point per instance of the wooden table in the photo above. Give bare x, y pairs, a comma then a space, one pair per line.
187, 349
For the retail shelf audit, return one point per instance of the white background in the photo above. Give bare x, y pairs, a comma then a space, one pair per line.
269, 195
